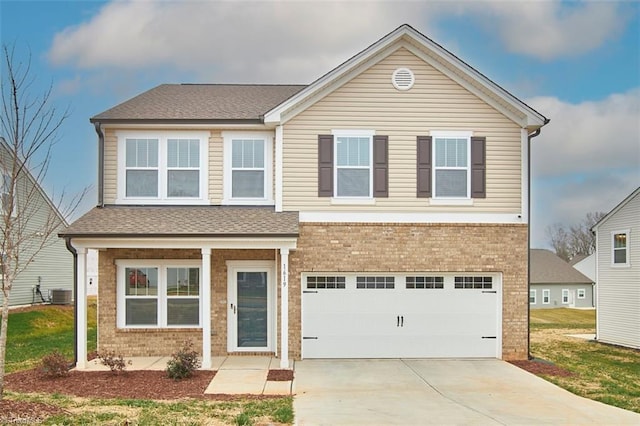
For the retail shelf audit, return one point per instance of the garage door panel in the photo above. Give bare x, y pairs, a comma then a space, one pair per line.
395, 322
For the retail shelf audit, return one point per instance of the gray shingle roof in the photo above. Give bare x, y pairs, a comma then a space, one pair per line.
184, 221
214, 102
547, 268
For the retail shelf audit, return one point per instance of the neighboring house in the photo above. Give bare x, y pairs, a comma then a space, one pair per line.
52, 268
380, 211
618, 274
554, 283
586, 265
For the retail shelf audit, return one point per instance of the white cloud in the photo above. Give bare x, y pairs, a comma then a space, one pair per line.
552, 29
594, 136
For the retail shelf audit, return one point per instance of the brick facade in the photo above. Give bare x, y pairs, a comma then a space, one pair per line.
335, 248
418, 247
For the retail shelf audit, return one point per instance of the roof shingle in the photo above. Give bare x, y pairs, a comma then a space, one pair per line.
201, 102
184, 221
547, 268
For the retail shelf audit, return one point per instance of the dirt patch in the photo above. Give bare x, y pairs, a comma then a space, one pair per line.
542, 368
25, 412
280, 375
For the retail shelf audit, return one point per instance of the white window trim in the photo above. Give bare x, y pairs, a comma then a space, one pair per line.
627, 263
533, 293
162, 137
365, 133
565, 296
14, 212
435, 134
162, 266
228, 138
583, 292
546, 293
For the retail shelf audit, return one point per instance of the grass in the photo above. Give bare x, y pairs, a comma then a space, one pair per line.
145, 412
41, 330
602, 372
36, 332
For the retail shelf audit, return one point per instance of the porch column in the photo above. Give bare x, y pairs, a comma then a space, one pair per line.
284, 308
81, 306
206, 308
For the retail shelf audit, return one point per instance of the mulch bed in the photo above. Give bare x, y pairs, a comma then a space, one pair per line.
105, 384
280, 375
542, 368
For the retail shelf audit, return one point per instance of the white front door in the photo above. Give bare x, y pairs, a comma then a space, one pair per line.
251, 306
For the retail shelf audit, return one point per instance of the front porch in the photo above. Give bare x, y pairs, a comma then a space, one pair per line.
235, 375
225, 291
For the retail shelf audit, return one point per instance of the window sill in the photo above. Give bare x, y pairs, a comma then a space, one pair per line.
149, 329
353, 201
247, 202
451, 202
621, 265
162, 202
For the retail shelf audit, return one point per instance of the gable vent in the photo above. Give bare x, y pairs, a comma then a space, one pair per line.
403, 79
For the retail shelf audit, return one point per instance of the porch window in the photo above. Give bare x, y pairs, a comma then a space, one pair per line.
158, 294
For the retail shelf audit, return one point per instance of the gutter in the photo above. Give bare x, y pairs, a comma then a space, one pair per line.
75, 298
531, 136
98, 128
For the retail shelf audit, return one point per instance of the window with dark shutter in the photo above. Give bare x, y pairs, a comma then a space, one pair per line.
424, 167
380, 166
325, 165
478, 167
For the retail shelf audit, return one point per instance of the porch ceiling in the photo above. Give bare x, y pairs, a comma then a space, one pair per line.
183, 222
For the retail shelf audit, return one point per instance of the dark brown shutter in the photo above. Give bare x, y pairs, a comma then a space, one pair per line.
380, 166
478, 167
325, 165
424, 167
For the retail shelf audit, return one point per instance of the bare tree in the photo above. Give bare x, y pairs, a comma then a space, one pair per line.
29, 219
578, 239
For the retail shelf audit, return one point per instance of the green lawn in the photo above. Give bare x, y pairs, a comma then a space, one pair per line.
605, 373
40, 330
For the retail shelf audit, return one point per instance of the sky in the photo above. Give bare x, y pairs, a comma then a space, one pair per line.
578, 63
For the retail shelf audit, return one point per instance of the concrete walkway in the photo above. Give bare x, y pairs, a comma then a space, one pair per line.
442, 392
234, 374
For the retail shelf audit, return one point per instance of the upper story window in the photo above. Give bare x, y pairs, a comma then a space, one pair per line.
248, 168
162, 167
451, 165
353, 166
619, 248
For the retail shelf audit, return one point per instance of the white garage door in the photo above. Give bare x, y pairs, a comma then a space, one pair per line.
401, 316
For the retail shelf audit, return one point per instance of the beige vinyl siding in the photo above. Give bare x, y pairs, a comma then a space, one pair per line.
215, 167
110, 166
618, 298
369, 101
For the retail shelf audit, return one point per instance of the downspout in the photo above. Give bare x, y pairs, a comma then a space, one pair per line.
100, 163
531, 136
75, 298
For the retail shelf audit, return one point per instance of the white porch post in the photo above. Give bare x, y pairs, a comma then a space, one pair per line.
81, 306
284, 308
206, 308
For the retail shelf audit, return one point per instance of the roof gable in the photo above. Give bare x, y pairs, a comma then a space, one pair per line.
617, 208
434, 54
547, 268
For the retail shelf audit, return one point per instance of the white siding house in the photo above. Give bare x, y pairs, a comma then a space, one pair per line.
52, 267
618, 274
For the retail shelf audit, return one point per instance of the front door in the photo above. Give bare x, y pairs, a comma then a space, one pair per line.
251, 306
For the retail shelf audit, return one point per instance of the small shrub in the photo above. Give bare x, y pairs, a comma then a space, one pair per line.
116, 363
183, 363
54, 364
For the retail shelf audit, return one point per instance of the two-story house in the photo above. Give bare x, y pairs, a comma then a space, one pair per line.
380, 211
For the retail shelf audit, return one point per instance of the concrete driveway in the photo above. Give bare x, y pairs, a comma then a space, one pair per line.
419, 392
